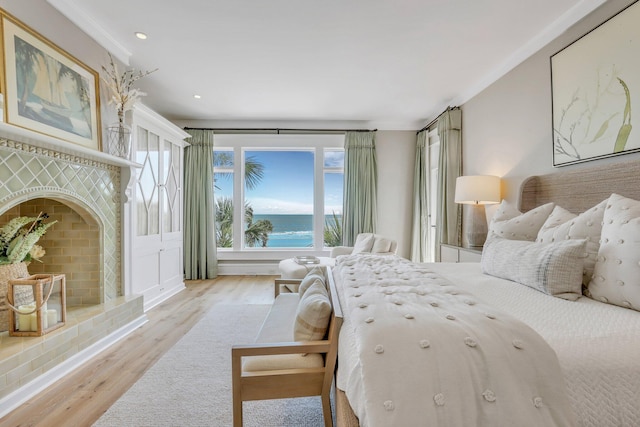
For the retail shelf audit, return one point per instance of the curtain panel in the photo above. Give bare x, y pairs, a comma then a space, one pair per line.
200, 258
420, 245
360, 186
449, 224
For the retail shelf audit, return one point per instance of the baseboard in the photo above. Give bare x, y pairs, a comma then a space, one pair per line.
248, 269
26, 392
148, 305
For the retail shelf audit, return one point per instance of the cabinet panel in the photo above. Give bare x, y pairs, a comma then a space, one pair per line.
146, 272
448, 254
156, 209
469, 256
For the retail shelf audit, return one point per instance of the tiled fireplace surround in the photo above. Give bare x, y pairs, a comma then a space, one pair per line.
84, 194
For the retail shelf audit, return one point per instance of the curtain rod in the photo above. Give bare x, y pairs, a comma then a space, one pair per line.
278, 130
432, 122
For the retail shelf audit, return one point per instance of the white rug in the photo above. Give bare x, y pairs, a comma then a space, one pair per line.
191, 384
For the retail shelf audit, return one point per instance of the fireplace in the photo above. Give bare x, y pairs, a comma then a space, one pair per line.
72, 247
82, 189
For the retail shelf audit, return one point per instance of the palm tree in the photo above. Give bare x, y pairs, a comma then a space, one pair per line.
256, 232
224, 222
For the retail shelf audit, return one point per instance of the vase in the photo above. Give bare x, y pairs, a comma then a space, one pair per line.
10, 272
119, 140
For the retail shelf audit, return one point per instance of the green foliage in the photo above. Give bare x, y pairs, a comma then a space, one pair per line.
256, 234
19, 236
625, 129
333, 231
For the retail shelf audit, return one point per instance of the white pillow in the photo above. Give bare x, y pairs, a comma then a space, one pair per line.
364, 243
563, 225
509, 223
311, 277
555, 268
381, 245
616, 277
313, 314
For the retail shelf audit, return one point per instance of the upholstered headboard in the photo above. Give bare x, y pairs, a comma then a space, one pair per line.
580, 189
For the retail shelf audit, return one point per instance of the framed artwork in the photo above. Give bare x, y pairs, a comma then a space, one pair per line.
595, 83
47, 90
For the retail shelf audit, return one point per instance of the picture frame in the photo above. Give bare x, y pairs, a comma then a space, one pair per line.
595, 83
47, 90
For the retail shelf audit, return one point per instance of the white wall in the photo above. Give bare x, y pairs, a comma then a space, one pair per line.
395, 152
507, 127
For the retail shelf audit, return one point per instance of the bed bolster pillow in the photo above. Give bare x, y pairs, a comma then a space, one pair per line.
554, 268
563, 225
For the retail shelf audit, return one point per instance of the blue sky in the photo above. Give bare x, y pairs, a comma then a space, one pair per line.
287, 184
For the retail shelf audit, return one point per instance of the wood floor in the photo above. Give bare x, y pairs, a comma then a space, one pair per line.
82, 397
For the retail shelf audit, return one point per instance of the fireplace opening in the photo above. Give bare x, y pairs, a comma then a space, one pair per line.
72, 247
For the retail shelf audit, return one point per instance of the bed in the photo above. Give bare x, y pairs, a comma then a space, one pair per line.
585, 372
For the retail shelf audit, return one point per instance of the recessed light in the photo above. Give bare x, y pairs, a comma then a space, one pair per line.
141, 36
197, 96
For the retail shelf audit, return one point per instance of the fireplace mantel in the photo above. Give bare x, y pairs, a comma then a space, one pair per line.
18, 134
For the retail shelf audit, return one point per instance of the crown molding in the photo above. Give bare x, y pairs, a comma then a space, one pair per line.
78, 15
551, 32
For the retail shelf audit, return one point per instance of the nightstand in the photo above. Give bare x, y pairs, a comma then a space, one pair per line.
451, 253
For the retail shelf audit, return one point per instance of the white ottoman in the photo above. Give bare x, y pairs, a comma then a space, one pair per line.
290, 269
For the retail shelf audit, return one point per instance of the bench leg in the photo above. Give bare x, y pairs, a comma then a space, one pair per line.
326, 410
237, 413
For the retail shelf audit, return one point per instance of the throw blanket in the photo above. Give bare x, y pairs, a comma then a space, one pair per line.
431, 354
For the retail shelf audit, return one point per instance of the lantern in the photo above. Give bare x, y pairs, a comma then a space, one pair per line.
39, 304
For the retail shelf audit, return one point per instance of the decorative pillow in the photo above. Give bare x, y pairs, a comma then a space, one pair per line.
563, 225
380, 245
616, 277
316, 273
509, 223
313, 314
364, 243
554, 268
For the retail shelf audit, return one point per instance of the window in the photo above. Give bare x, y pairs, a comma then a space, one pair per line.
433, 154
278, 192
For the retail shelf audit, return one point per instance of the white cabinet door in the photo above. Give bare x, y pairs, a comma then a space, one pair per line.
157, 264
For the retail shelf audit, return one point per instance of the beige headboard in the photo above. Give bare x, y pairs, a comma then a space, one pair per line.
580, 189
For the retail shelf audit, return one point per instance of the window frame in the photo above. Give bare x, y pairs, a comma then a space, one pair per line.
240, 144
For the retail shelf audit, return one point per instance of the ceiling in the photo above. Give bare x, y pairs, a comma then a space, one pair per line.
388, 64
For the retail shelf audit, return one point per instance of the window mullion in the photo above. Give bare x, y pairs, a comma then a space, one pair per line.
238, 199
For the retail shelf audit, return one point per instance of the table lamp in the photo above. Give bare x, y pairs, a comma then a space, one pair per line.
477, 191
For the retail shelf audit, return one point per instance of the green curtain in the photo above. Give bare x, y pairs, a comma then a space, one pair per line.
360, 186
200, 258
449, 223
420, 245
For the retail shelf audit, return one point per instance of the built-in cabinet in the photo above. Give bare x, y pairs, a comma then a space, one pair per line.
450, 253
156, 207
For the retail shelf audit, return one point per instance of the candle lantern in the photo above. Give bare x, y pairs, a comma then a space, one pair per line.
39, 304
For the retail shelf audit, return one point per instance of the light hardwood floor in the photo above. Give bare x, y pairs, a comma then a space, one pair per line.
82, 397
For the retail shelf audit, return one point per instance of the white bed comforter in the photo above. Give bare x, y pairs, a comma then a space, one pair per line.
430, 353
598, 345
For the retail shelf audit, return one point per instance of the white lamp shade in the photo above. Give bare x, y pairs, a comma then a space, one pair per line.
478, 189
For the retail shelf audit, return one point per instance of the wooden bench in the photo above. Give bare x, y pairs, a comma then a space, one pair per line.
276, 367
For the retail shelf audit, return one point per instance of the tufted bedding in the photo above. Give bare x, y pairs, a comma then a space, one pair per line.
417, 349
597, 347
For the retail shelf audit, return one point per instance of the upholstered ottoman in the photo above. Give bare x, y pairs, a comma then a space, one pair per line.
290, 269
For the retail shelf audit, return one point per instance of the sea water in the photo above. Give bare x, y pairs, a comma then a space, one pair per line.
290, 231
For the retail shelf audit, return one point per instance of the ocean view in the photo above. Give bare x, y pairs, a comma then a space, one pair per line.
290, 231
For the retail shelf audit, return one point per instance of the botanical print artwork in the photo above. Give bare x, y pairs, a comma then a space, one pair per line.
51, 92
596, 84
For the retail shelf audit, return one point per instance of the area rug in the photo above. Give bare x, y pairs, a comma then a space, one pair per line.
191, 384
